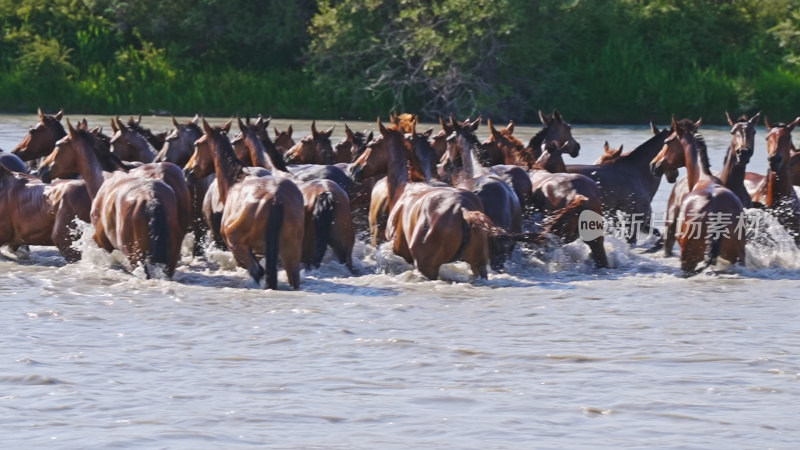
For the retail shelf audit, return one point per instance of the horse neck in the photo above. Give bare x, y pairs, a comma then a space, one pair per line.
397, 172
258, 154
90, 170
641, 156
228, 169
551, 162
142, 147
694, 165
779, 184
732, 173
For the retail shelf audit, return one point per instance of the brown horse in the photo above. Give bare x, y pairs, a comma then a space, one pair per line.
500, 202
627, 186
609, 154
315, 148
283, 140
13, 162
554, 190
41, 138
776, 192
352, 146
710, 213
430, 226
156, 140
743, 133
328, 219
128, 144
137, 215
179, 143
35, 213
262, 216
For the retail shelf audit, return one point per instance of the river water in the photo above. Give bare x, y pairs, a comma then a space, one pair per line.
551, 354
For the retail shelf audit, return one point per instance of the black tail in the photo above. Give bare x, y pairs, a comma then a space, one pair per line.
159, 235
322, 219
271, 241
714, 249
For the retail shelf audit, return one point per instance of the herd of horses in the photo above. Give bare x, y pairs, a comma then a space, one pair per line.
434, 197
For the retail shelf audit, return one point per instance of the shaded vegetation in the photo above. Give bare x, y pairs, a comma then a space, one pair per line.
601, 61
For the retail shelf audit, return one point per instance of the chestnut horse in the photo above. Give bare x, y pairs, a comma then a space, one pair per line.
262, 216
134, 214
710, 217
776, 192
328, 219
732, 176
283, 140
41, 138
609, 154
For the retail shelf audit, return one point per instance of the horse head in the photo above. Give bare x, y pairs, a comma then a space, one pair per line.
42, 137
779, 144
743, 135
672, 155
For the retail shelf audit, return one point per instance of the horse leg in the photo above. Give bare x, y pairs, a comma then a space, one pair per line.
732, 250
669, 237
598, 252
245, 259
692, 254
64, 235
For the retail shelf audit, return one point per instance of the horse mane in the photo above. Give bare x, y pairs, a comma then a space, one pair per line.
233, 166
702, 150
476, 148
533, 152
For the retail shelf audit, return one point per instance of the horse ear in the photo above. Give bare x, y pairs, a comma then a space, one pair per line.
543, 118
428, 133
348, 132
674, 123
277, 133
264, 120
441, 122
41, 114
207, 128
476, 123
382, 128
113, 126
59, 114
492, 129
330, 131
698, 123
83, 124
139, 121
175, 122
120, 125
196, 118
754, 120
289, 130
70, 128
606, 147
653, 128
767, 123
557, 116
730, 121
227, 127
454, 123
242, 126
510, 126
394, 118
314, 128
793, 124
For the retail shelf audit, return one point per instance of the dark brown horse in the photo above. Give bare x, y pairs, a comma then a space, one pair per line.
137, 215
352, 146
627, 186
328, 219
776, 192
710, 213
128, 144
41, 138
554, 190
743, 132
156, 140
500, 202
13, 162
315, 148
179, 143
35, 213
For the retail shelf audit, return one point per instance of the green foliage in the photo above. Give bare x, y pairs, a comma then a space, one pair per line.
600, 61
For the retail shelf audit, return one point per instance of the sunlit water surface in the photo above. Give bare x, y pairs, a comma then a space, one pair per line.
551, 354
